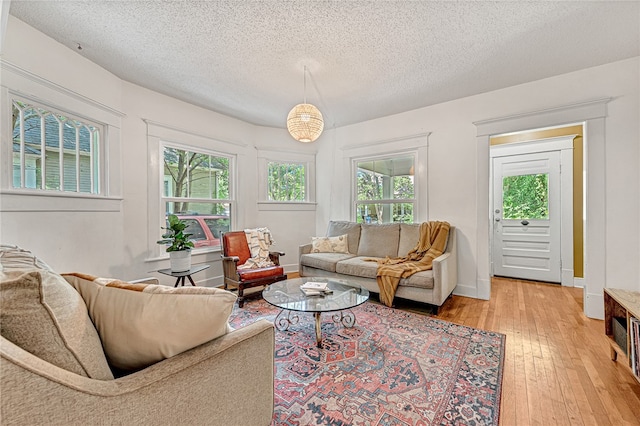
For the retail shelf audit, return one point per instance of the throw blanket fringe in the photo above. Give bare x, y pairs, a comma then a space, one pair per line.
259, 240
433, 240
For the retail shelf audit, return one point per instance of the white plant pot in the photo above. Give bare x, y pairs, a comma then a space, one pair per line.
180, 260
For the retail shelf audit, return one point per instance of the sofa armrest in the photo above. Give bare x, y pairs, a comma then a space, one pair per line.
303, 249
238, 363
445, 272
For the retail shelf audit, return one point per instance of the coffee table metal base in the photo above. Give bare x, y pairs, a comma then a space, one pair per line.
287, 318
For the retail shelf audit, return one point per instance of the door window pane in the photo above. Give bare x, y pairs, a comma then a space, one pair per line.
525, 197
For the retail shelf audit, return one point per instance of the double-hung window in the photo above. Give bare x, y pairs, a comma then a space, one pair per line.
384, 189
54, 151
196, 189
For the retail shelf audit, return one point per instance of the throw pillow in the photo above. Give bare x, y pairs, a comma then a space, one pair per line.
141, 324
337, 244
44, 315
352, 229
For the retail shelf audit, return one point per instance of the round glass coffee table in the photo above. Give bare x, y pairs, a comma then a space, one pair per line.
340, 298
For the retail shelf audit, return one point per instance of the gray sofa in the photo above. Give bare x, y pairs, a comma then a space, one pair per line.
378, 241
192, 387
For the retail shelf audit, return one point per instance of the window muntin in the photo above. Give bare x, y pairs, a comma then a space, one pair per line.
385, 189
42, 162
195, 187
286, 181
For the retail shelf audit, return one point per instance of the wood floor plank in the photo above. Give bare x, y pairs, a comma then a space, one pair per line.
557, 365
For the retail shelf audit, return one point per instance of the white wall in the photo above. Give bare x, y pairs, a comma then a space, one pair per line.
458, 178
119, 242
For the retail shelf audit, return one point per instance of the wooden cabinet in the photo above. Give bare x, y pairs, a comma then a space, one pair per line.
621, 310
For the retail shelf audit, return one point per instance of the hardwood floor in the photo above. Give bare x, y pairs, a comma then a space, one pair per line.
557, 368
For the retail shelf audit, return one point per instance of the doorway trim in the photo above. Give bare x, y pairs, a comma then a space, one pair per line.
563, 144
593, 114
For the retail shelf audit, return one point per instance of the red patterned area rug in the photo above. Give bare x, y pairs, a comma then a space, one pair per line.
391, 368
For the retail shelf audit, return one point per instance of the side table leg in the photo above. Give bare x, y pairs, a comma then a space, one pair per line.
318, 329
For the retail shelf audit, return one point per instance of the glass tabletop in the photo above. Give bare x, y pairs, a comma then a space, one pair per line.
288, 295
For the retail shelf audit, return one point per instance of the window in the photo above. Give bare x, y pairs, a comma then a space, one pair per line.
54, 151
196, 188
525, 197
385, 189
286, 181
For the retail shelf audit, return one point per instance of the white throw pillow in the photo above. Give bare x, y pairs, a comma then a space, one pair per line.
337, 244
141, 324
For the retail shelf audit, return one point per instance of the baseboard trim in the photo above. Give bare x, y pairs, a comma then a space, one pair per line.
594, 305
466, 291
579, 282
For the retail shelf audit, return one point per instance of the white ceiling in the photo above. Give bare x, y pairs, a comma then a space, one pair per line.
367, 59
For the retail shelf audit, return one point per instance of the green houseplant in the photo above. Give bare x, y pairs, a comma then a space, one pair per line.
178, 244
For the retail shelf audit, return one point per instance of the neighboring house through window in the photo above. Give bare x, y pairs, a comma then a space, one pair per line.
54, 151
196, 188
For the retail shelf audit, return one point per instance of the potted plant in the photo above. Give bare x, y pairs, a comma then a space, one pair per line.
179, 246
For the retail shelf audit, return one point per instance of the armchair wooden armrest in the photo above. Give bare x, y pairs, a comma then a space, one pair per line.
275, 256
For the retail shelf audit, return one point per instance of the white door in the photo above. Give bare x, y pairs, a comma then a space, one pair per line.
527, 216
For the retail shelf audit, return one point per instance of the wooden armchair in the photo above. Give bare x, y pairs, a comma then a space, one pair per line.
235, 252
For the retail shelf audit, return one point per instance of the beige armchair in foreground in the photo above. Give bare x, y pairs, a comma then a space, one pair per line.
197, 387
82, 350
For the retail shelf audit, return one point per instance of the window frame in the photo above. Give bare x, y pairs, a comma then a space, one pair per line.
95, 178
308, 161
37, 90
231, 201
355, 201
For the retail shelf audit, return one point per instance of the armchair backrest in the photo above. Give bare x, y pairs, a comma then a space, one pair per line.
235, 244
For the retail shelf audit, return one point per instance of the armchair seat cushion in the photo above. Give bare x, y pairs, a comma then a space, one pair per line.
261, 273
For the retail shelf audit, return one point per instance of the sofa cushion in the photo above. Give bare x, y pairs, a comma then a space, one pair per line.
423, 279
44, 315
409, 237
358, 267
324, 261
351, 229
141, 324
379, 240
337, 244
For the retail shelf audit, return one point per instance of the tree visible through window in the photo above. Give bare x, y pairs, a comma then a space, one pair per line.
52, 151
196, 188
525, 197
286, 182
385, 190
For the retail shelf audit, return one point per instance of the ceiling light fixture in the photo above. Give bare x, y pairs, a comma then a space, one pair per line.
304, 121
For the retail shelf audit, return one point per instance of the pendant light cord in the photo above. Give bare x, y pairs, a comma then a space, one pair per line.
305, 84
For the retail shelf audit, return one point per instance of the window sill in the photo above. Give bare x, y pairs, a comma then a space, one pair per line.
23, 201
284, 206
200, 253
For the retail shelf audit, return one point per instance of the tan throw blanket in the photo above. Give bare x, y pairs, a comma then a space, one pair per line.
259, 240
433, 240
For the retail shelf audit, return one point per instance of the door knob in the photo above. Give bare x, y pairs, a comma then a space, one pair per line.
525, 222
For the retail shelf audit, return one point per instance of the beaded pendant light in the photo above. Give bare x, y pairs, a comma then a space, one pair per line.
304, 122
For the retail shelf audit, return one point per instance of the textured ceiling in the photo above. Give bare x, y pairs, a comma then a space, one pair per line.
367, 59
